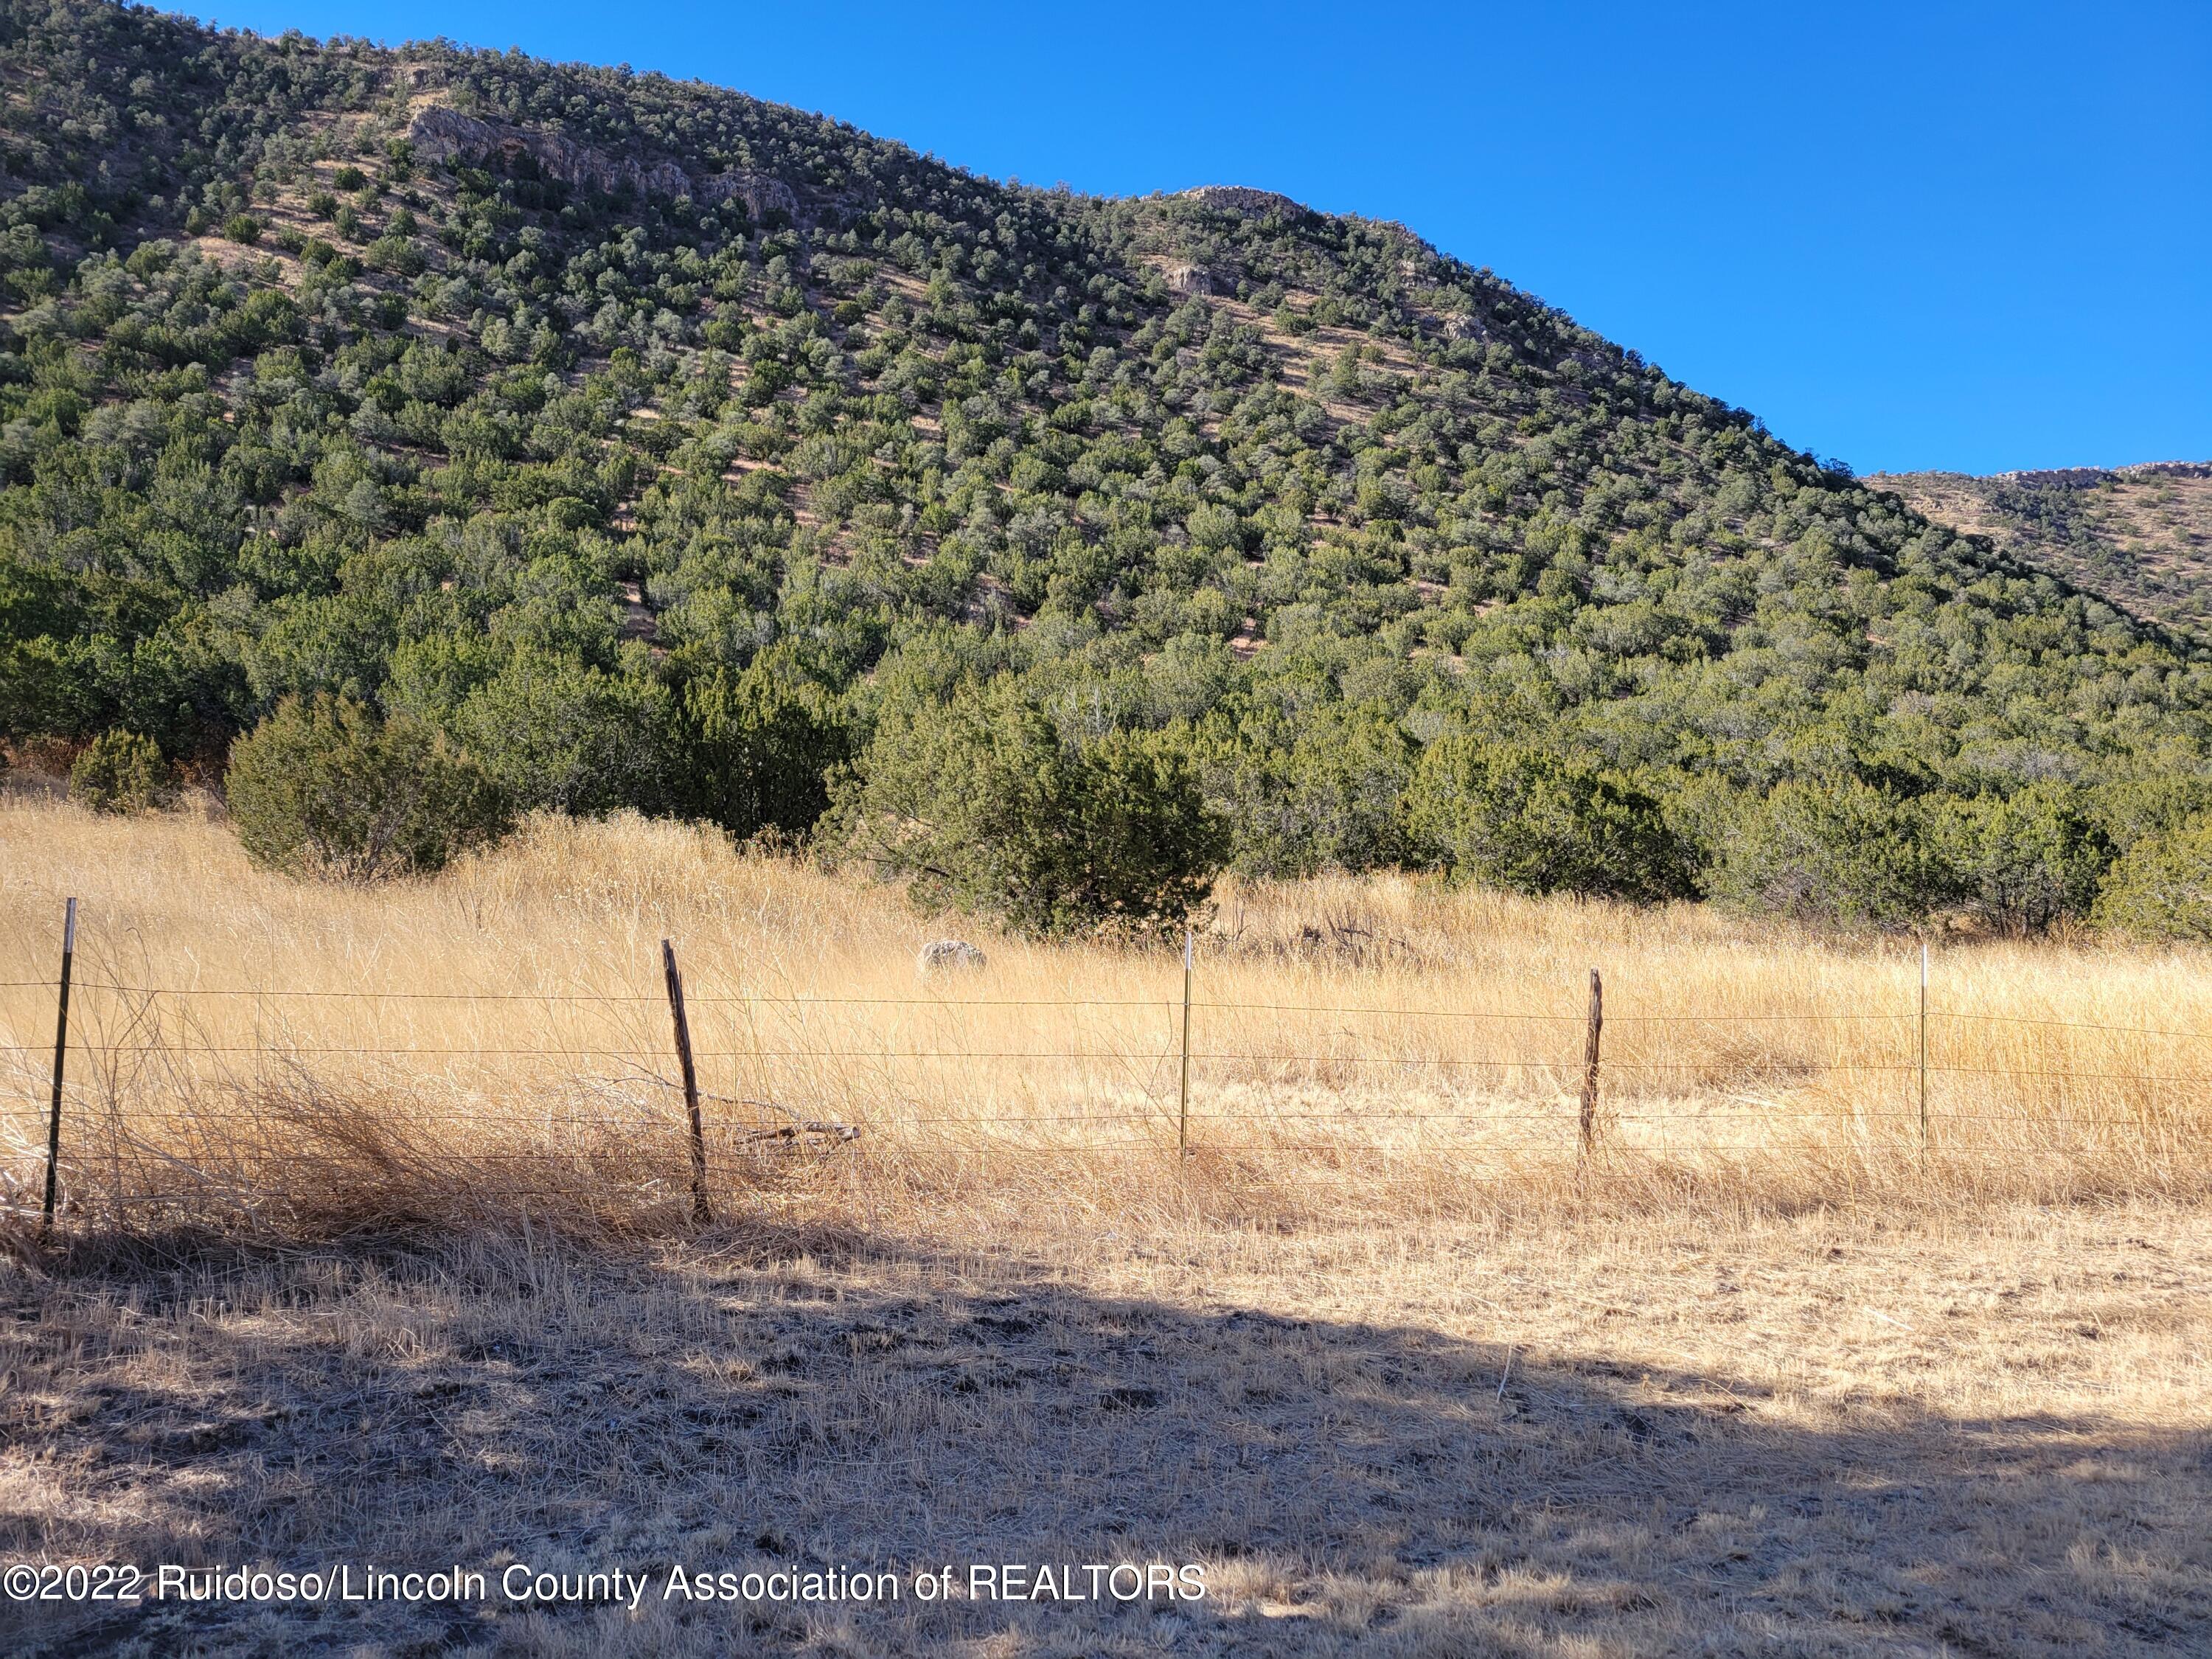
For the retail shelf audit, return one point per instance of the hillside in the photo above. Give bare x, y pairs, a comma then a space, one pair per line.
657, 446
2139, 536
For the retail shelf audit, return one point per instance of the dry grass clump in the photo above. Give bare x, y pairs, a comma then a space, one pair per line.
249, 1051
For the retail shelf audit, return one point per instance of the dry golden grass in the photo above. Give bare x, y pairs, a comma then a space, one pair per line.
1764, 1381
1836, 1433
322, 1057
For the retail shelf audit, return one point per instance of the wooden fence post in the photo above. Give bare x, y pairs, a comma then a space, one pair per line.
61, 1054
1589, 1063
1182, 1110
700, 1213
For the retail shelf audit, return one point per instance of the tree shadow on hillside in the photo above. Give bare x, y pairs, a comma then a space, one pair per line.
1347, 1485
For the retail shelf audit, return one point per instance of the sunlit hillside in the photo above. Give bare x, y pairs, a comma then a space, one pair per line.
2140, 535
658, 447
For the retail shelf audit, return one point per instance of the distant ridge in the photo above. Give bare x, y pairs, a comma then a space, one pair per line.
2141, 534
2076, 478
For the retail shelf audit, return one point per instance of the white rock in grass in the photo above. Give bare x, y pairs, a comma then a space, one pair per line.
946, 955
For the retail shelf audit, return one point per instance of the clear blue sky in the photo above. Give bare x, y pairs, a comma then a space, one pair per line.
1977, 237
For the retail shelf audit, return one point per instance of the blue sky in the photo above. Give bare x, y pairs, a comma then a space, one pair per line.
1977, 237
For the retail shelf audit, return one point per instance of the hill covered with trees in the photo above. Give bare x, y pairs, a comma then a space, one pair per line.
2139, 536
560, 437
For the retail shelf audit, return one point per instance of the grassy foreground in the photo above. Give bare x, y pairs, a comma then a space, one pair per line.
299, 1060
1765, 1378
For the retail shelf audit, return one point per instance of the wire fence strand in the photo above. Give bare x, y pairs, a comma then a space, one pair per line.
162, 1081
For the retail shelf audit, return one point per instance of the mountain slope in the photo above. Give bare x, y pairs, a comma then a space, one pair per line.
559, 407
2139, 536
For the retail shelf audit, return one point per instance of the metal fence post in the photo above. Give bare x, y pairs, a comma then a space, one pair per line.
1923, 1046
1589, 1064
1182, 1111
61, 1054
700, 1213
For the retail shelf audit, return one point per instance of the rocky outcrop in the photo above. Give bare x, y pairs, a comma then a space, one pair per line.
761, 193
1188, 279
2088, 477
1241, 198
440, 134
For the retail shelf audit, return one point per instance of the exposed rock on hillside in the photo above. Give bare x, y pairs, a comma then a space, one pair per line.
442, 134
1182, 278
1241, 198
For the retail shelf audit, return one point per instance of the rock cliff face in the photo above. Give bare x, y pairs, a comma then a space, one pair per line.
1241, 198
440, 134
1184, 279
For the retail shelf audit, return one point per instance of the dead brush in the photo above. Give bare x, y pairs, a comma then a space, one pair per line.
289, 1155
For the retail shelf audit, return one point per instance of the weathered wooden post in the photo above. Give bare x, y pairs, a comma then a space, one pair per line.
700, 1213
1589, 1063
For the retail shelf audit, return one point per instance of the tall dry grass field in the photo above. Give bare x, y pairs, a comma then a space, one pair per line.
250, 1050
1385, 1357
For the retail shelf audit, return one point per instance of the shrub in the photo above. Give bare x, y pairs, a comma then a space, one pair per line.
556, 732
1841, 854
760, 745
121, 772
324, 787
2163, 887
242, 227
982, 806
1145, 849
2020, 863
1534, 822
2135, 808
398, 255
1330, 800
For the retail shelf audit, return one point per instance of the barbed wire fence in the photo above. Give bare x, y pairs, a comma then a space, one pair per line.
163, 1095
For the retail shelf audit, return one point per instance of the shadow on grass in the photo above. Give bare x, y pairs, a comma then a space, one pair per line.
1348, 1486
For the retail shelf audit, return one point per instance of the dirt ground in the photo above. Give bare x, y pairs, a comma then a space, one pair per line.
1986, 1433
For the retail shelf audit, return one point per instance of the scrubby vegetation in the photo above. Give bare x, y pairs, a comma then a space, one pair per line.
324, 787
2139, 536
982, 804
120, 772
655, 447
